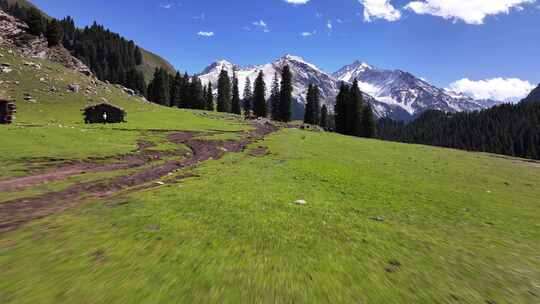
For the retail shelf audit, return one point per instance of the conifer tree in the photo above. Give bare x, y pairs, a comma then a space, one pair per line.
368, 122
209, 98
355, 111
308, 113
159, 88
224, 92
274, 98
184, 100
340, 109
197, 94
235, 108
315, 105
285, 100
259, 96
324, 117
248, 97
176, 86
55, 33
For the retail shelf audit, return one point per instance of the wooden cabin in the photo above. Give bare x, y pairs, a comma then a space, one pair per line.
7, 111
104, 113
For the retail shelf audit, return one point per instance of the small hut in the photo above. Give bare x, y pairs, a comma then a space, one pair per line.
104, 113
7, 111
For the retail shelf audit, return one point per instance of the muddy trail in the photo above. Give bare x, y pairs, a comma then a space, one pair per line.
15, 213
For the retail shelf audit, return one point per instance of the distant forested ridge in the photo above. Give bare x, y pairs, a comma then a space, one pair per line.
509, 129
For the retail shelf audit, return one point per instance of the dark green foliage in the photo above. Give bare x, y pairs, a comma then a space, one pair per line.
36, 23
248, 97
324, 117
209, 98
275, 96
285, 99
55, 33
135, 80
352, 116
259, 96
224, 92
367, 122
235, 107
355, 110
313, 107
159, 88
197, 99
176, 87
340, 109
506, 129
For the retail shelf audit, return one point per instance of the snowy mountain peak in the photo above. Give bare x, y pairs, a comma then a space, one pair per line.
220, 65
288, 58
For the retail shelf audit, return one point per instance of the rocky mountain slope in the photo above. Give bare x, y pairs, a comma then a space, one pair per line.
151, 61
303, 72
392, 93
412, 94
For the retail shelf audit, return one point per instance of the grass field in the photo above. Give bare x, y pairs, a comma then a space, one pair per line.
384, 222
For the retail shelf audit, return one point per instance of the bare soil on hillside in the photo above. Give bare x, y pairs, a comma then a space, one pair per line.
18, 212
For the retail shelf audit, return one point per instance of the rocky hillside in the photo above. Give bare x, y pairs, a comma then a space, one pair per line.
151, 61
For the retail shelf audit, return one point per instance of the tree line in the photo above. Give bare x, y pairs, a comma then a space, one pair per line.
509, 129
353, 116
110, 56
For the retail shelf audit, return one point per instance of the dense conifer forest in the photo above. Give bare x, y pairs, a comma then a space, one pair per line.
507, 129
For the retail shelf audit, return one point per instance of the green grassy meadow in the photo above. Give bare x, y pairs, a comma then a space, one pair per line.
384, 222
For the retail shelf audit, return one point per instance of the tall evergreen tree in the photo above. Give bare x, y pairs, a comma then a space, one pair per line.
355, 111
197, 94
55, 33
368, 122
285, 100
312, 113
259, 96
275, 96
224, 92
184, 100
159, 88
324, 117
248, 97
176, 87
235, 108
340, 110
209, 98
308, 113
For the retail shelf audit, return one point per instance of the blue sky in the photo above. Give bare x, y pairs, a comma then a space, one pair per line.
441, 41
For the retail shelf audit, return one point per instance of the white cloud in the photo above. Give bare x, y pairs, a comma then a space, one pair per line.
167, 6
202, 16
470, 11
380, 9
205, 34
329, 24
297, 2
308, 34
503, 89
262, 25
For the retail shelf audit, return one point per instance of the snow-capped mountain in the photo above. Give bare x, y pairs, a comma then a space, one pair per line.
410, 93
392, 93
303, 72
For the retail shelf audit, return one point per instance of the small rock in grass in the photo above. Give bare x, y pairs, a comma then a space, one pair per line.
300, 202
160, 183
378, 218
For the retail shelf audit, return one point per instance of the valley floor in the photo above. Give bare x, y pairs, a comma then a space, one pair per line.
183, 206
383, 223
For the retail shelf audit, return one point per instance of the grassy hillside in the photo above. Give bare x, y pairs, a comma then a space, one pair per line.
383, 222
152, 61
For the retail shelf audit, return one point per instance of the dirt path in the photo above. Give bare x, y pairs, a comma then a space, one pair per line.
16, 213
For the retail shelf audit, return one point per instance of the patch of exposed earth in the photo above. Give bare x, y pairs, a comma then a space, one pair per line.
16, 213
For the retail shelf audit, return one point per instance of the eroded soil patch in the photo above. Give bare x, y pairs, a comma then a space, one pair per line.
15, 213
